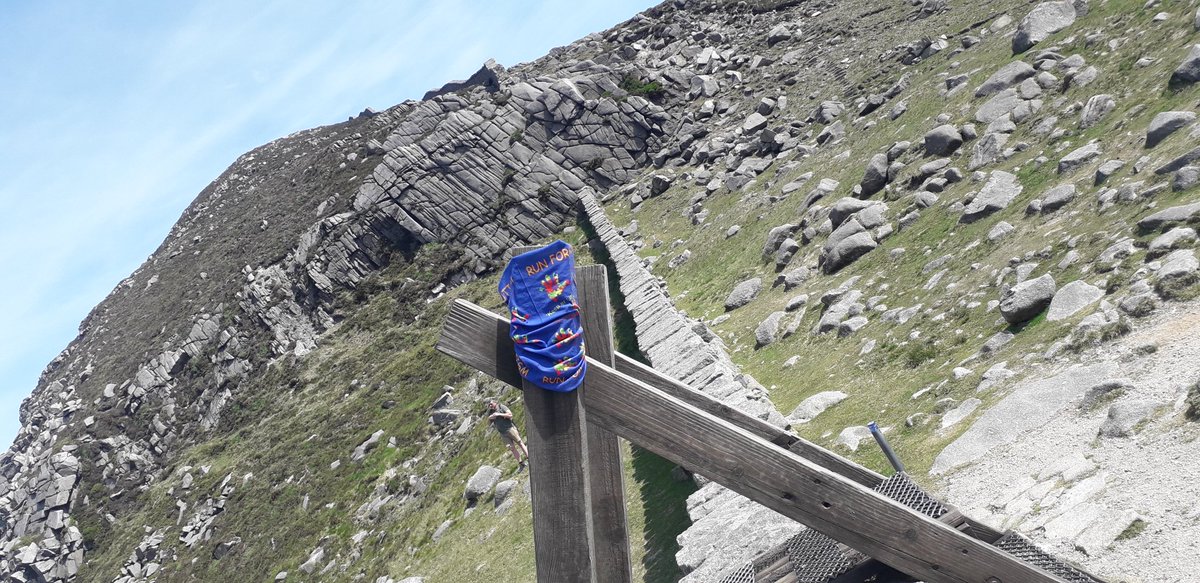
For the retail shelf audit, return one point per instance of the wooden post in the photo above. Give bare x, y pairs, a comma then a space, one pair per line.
606, 486
562, 528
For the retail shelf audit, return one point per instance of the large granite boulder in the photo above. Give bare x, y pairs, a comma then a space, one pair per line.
743, 293
1044, 20
999, 192
1165, 124
943, 140
1024, 301
481, 482
1072, 298
1005, 77
1188, 71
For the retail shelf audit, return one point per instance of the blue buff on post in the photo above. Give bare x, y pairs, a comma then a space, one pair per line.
539, 288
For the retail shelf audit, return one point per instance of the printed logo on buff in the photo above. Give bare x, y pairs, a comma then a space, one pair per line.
563, 335
553, 287
563, 365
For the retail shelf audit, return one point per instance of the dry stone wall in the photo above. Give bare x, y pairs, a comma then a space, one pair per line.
681, 348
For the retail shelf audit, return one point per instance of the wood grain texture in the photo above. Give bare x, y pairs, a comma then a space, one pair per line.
838, 507
558, 485
782, 480
606, 484
771, 433
480, 339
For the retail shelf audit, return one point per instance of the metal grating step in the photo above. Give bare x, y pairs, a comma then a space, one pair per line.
1021, 548
811, 557
902, 489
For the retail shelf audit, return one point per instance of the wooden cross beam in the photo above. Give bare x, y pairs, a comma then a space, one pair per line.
742, 460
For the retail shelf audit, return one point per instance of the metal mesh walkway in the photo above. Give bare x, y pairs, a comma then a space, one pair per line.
811, 557
1021, 548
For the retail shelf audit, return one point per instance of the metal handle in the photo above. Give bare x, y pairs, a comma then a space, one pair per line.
887, 449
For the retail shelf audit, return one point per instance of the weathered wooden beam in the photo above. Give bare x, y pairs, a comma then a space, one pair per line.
480, 339
771, 433
787, 483
764, 472
603, 469
562, 511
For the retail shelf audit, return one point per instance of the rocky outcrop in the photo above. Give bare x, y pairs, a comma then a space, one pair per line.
484, 167
488, 77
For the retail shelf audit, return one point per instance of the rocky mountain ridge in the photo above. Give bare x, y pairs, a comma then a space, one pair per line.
842, 195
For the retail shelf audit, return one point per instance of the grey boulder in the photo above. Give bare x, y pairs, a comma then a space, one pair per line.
1165, 124
847, 251
365, 447
1173, 239
999, 192
1024, 301
1006, 77
1072, 298
1124, 418
1178, 270
876, 176
768, 330
1170, 217
1078, 157
743, 293
481, 483
1003, 103
1185, 178
1057, 197
847, 207
1188, 71
1096, 108
815, 405
1044, 20
942, 140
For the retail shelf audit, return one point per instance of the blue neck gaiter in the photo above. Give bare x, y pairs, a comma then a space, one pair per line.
539, 288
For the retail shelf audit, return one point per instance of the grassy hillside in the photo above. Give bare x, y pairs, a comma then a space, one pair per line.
954, 319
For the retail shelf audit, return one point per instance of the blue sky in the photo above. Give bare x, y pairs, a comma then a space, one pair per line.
114, 115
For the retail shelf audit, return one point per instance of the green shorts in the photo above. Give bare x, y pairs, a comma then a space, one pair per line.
511, 436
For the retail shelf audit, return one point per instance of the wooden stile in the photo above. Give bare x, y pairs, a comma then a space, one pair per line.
745, 460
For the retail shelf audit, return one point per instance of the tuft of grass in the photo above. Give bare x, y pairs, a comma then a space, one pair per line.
649, 89
1137, 527
919, 353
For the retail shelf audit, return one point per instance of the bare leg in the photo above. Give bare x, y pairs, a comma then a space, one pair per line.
521, 443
